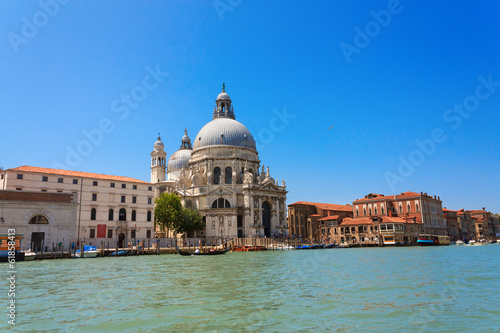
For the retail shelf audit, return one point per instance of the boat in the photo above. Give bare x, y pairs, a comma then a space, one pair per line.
118, 254
88, 252
481, 242
248, 248
459, 242
330, 246
281, 247
471, 242
211, 252
29, 255
303, 247
9, 243
433, 240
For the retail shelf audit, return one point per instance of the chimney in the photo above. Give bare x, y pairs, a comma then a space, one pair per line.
439, 198
421, 193
484, 208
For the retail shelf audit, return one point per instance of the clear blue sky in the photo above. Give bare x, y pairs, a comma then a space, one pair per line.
65, 72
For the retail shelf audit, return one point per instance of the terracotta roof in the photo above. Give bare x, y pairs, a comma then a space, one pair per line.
324, 206
449, 210
71, 173
374, 197
328, 218
393, 219
314, 215
478, 212
357, 221
407, 194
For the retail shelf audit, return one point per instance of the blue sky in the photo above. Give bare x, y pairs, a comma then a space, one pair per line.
386, 74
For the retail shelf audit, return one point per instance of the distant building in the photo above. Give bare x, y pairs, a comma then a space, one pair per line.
110, 208
485, 224
307, 219
452, 221
467, 225
43, 219
422, 208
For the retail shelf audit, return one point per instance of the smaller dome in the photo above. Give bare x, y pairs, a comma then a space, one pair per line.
223, 95
179, 160
158, 144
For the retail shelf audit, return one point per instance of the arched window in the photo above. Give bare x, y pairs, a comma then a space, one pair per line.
228, 174
217, 175
375, 210
111, 215
416, 207
133, 215
93, 213
149, 216
39, 219
364, 211
122, 214
221, 203
382, 208
409, 208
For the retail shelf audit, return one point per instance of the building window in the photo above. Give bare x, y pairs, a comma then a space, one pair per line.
228, 175
357, 212
401, 209
122, 214
94, 183
149, 216
150, 201
376, 210
19, 176
133, 215
132, 233
94, 196
150, 188
111, 214
39, 219
416, 207
364, 211
123, 198
45, 179
93, 213
409, 208
110, 233
124, 185
134, 187
75, 181
370, 211
217, 175
382, 209
60, 180
148, 233
92, 233
43, 190
19, 189
134, 199
221, 203
111, 184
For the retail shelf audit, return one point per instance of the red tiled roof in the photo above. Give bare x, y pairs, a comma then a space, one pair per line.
328, 218
394, 219
449, 210
407, 194
71, 173
314, 215
357, 221
324, 206
374, 196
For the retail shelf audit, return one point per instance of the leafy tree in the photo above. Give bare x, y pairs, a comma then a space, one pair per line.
191, 221
168, 212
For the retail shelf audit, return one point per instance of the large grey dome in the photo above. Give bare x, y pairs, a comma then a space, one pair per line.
179, 160
224, 131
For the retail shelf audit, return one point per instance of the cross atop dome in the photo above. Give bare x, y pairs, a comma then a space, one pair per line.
223, 108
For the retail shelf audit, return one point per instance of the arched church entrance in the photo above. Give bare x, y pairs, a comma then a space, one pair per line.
266, 218
121, 239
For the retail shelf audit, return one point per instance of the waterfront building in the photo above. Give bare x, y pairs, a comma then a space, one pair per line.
220, 175
423, 208
110, 208
451, 220
484, 224
42, 218
312, 220
467, 225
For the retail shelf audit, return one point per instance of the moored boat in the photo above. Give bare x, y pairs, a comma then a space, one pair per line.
481, 242
8, 244
29, 255
433, 240
118, 254
211, 252
88, 252
248, 248
459, 242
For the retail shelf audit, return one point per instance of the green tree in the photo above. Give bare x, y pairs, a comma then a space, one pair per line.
191, 222
168, 212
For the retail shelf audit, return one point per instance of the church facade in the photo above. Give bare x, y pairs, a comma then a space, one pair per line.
221, 176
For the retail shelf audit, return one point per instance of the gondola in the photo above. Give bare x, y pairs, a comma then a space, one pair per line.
207, 253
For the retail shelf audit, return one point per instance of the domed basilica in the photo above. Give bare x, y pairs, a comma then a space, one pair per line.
220, 175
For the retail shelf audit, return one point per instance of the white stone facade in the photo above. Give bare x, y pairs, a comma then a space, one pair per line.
223, 179
110, 208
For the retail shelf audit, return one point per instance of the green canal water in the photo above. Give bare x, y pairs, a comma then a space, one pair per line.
435, 289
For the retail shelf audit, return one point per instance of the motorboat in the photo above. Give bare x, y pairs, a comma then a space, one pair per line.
88, 252
481, 242
211, 252
118, 254
433, 240
29, 255
459, 242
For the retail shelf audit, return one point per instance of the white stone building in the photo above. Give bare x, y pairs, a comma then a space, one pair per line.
43, 219
220, 175
110, 208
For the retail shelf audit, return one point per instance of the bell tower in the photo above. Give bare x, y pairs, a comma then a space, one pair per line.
158, 166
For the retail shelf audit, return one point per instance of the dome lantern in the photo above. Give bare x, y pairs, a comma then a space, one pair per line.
223, 107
